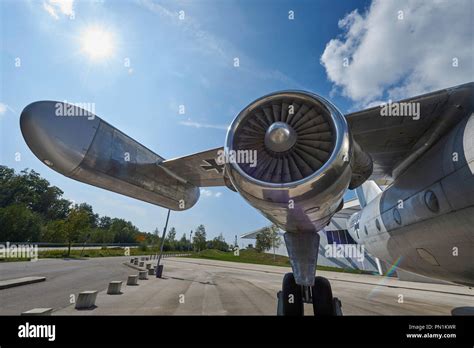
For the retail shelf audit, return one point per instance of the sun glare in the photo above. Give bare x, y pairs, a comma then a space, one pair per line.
97, 43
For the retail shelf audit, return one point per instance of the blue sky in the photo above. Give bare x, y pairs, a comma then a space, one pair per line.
190, 61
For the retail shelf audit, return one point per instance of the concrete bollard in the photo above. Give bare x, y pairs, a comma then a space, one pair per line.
114, 287
132, 279
142, 275
141, 263
86, 299
38, 311
148, 265
151, 271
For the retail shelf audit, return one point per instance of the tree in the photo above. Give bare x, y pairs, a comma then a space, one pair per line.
30, 189
19, 224
219, 243
267, 239
170, 243
104, 222
275, 238
199, 239
124, 231
77, 222
87, 208
183, 243
53, 232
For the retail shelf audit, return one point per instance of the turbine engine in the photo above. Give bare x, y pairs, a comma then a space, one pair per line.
304, 159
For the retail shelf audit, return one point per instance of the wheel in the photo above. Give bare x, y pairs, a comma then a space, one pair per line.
290, 298
323, 302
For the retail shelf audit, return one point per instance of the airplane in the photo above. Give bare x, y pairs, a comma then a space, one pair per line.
292, 155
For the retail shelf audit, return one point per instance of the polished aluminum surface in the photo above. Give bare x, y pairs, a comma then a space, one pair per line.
280, 137
309, 203
87, 149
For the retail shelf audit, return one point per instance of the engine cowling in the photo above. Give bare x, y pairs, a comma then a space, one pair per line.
302, 159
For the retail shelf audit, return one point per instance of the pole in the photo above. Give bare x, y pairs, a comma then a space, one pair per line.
162, 243
191, 240
85, 242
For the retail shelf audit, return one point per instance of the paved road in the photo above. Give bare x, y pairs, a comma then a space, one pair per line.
206, 287
63, 278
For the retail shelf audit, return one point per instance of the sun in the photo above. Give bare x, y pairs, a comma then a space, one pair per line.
97, 43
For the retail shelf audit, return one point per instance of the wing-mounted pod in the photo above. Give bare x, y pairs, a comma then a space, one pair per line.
81, 146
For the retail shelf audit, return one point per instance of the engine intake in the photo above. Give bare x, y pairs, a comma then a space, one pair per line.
305, 158
292, 135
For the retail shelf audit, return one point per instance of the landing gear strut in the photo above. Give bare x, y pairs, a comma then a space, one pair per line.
293, 296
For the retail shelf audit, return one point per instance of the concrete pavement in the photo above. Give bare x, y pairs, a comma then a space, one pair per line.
63, 278
208, 287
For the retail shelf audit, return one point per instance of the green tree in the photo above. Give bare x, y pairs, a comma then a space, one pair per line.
104, 222
19, 224
268, 238
77, 222
199, 239
87, 208
171, 234
54, 232
219, 243
35, 192
170, 243
183, 243
124, 231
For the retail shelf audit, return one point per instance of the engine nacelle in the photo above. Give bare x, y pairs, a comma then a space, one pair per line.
304, 159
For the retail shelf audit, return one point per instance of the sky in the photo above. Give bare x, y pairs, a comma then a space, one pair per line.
166, 74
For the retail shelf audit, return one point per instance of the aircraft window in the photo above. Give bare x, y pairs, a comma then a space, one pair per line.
357, 233
377, 224
365, 229
396, 216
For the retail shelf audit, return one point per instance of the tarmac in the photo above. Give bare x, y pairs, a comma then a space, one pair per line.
208, 287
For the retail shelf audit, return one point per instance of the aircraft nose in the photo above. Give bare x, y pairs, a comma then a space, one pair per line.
58, 133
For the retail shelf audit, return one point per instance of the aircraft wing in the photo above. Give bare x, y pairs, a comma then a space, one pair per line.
396, 142
200, 169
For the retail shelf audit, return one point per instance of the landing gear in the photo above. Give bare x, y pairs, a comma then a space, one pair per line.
293, 296
324, 304
290, 300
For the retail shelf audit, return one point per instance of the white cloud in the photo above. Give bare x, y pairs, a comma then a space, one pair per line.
50, 9
396, 58
209, 193
3, 108
202, 125
57, 7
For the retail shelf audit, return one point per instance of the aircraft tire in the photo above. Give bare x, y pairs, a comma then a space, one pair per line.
291, 297
323, 302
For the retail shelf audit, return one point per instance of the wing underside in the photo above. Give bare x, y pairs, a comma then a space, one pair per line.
394, 142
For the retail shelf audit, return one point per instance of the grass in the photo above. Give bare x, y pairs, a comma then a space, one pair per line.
245, 256
104, 252
254, 257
